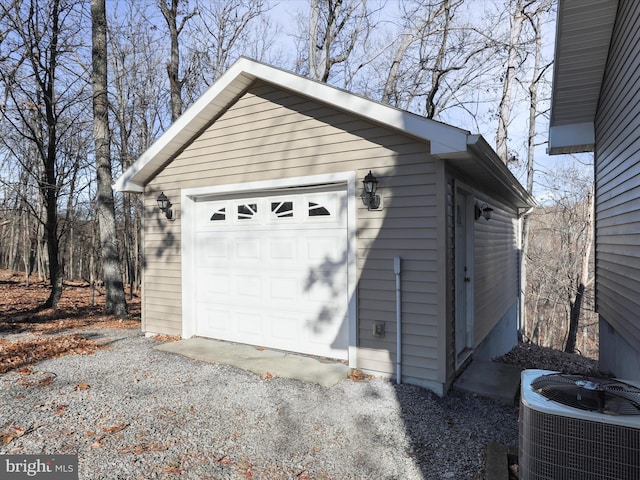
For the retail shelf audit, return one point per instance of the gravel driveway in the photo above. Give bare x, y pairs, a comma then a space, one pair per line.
132, 412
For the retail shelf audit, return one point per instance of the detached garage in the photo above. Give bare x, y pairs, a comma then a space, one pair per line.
269, 236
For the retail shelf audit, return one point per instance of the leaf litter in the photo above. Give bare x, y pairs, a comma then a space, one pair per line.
31, 334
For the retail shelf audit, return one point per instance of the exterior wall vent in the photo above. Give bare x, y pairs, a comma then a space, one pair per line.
578, 428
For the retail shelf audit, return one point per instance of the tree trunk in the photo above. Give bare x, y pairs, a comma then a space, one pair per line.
531, 139
583, 281
437, 72
49, 186
504, 110
173, 66
314, 18
115, 303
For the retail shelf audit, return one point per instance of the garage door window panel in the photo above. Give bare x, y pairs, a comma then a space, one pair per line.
282, 209
247, 211
219, 215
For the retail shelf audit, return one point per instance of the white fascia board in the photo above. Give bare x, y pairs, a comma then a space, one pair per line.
185, 127
488, 158
573, 138
122, 185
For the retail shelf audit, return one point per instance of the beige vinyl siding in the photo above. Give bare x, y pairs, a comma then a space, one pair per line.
495, 267
271, 134
407, 229
162, 266
617, 176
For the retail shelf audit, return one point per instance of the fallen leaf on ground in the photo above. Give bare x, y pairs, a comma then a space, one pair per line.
83, 386
166, 338
32, 349
9, 434
358, 375
116, 428
267, 376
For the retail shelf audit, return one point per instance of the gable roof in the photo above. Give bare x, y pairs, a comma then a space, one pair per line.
446, 141
583, 35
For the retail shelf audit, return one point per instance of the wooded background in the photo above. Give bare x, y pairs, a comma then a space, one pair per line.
86, 87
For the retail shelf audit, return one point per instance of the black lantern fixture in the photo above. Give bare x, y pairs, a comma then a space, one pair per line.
165, 206
483, 210
370, 183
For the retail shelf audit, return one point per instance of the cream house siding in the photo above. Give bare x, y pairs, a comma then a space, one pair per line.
269, 134
495, 267
617, 177
162, 267
408, 230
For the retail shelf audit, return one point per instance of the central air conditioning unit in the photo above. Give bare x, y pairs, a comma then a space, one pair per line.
574, 427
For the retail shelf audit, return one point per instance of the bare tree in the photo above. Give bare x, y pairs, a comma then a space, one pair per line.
537, 77
333, 32
115, 303
517, 18
440, 61
43, 105
560, 257
139, 110
576, 296
218, 35
413, 31
171, 13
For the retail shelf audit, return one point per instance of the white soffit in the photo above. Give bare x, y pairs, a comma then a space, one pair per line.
583, 34
444, 139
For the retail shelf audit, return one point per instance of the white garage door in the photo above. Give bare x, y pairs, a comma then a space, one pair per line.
271, 270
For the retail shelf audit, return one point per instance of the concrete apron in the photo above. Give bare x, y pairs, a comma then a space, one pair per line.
261, 361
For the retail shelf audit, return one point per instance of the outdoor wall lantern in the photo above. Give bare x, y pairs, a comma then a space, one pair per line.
370, 183
165, 206
483, 210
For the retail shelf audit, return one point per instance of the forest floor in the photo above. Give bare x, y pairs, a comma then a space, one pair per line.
41, 333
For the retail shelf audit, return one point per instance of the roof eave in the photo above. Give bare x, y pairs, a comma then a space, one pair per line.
504, 179
583, 34
480, 161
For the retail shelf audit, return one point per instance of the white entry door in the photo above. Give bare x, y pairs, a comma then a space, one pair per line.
463, 254
271, 270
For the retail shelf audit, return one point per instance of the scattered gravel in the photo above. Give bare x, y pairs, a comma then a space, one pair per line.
528, 355
132, 412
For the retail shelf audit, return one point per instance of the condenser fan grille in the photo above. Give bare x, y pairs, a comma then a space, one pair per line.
602, 395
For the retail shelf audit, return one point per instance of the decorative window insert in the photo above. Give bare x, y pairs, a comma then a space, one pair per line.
317, 210
282, 209
247, 211
219, 215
